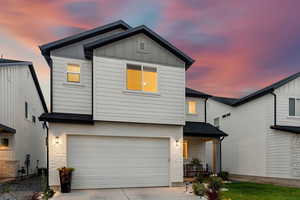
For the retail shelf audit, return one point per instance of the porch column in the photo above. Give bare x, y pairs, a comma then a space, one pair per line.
217, 165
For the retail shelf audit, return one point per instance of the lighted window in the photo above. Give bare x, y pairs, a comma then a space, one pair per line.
294, 107
185, 151
192, 107
141, 78
73, 73
4, 143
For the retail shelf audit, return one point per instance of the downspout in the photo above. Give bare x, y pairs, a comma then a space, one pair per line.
221, 139
205, 110
275, 108
47, 155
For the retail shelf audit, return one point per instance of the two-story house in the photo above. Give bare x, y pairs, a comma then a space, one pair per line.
264, 128
22, 136
118, 109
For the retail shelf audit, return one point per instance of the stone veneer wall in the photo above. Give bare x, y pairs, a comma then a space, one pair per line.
8, 168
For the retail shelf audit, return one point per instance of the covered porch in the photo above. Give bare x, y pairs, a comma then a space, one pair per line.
202, 151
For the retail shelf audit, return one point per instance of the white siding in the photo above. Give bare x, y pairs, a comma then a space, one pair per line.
58, 152
283, 156
17, 85
244, 150
113, 103
8, 85
70, 97
200, 116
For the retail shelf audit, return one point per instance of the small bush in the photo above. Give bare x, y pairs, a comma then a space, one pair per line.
200, 178
224, 175
215, 183
198, 189
195, 161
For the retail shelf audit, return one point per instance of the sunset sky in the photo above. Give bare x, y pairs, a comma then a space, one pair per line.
239, 46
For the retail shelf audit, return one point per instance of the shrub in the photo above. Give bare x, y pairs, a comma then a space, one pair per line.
224, 175
195, 161
213, 189
200, 178
198, 189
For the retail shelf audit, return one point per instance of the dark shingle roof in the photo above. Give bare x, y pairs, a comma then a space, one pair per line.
9, 62
225, 100
67, 118
266, 90
292, 129
6, 129
46, 48
202, 129
194, 93
88, 48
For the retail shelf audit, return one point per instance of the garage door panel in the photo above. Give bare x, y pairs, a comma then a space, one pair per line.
110, 162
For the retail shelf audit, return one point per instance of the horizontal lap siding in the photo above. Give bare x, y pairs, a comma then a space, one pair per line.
113, 103
283, 156
70, 98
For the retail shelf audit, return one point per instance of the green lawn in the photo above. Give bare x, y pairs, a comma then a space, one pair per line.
254, 191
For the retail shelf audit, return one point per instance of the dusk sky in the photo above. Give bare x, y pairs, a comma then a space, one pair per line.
239, 46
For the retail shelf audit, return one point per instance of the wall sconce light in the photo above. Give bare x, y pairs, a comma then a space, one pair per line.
177, 143
56, 140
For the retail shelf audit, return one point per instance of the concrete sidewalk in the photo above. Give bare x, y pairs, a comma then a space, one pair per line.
163, 193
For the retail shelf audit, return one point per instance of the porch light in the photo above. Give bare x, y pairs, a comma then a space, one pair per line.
56, 140
177, 143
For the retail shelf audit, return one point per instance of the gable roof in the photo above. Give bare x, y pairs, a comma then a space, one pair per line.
9, 63
257, 94
46, 48
88, 48
194, 93
225, 100
266, 90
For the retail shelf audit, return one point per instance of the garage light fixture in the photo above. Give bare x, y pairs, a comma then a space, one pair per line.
177, 143
56, 140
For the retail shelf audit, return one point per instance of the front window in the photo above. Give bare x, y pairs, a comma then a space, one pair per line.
4, 142
192, 107
185, 151
294, 107
217, 122
73, 73
141, 78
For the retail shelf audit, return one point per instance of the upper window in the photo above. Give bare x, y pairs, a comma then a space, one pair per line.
26, 110
192, 107
294, 107
141, 78
217, 122
73, 73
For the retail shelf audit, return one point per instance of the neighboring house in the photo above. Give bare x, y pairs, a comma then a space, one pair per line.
118, 109
22, 135
264, 130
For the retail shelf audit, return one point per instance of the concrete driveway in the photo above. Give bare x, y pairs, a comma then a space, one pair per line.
163, 193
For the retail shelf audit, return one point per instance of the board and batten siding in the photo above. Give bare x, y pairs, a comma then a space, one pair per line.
71, 97
8, 90
200, 108
75, 50
128, 49
112, 102
58, 152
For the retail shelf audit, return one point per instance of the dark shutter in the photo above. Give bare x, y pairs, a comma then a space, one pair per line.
291, 107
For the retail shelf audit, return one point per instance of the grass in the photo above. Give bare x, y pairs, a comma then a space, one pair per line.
255, 191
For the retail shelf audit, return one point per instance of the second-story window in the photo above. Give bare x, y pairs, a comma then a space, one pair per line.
192, 107
217, 122
294, 106
73, 73
141, 78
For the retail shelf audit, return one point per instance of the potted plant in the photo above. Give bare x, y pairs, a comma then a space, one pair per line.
65, 176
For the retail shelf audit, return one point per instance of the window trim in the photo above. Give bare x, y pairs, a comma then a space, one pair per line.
288, 111
67, 72
188, 107
126, 90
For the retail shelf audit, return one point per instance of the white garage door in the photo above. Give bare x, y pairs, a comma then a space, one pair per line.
112, 162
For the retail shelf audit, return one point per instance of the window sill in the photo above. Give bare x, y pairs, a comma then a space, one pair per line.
293, 117
192, 114
73, 84
141, 93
